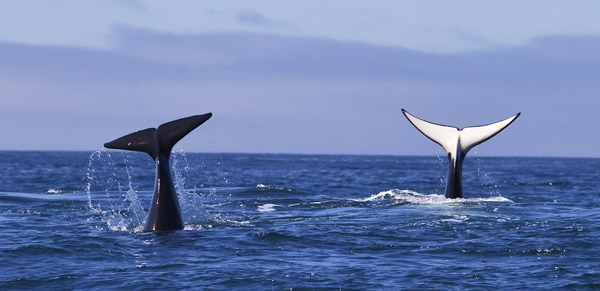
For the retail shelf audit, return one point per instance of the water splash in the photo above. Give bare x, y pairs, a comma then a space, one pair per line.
119, 207
139, 215
190, 201
442, 170
113, 181
482, 174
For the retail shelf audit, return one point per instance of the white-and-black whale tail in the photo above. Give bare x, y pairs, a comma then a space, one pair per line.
164, 213
457, 143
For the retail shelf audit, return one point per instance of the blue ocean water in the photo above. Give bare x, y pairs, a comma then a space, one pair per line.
72, 220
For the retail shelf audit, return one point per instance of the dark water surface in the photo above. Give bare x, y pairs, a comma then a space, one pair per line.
72, 220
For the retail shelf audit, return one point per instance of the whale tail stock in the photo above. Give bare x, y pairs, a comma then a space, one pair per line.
161, 140
457, 143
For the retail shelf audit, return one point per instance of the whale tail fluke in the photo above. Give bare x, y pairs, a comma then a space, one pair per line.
168, 134
441, 134
453, 139
139, 141
158, 140
474, 135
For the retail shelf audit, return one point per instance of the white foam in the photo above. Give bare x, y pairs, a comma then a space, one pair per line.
197, 227
269, 187
410, 196
119, 225
54, 191
220, 220
267, 207
321, 202
456, 218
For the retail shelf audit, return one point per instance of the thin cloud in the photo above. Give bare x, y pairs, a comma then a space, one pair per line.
252, 18
446, 27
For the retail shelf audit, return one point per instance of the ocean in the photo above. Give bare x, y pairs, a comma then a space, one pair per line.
73, 220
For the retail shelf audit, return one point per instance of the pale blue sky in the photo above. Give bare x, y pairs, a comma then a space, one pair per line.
301, 77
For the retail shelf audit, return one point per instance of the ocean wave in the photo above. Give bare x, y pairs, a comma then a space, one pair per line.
414, 197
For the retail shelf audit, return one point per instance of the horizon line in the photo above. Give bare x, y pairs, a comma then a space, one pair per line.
314, 154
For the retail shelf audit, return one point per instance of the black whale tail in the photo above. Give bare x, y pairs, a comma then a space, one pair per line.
164, 213
161, 140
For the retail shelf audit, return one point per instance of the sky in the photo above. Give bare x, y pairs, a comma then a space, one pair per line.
320, 77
